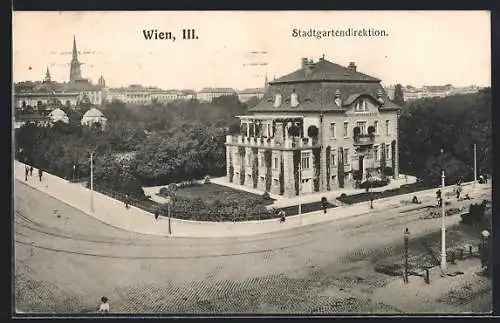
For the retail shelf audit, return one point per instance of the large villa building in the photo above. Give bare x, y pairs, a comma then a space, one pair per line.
319, 128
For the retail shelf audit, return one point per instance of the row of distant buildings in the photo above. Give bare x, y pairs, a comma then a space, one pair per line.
429, 91
40, 93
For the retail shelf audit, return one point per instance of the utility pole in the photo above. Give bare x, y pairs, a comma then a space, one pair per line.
475, 166
169, 210
300, 187
92, 181
406, 236
443, 227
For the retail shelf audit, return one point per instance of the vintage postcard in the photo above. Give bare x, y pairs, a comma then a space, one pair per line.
258, 162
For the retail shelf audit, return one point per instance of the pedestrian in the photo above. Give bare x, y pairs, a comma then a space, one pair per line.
104, 307
157, 214
459, 190
40, 174
282, 216
481, 179
324, 204
26, 172
438, 197
485, 179
371, 201
126, 201
31, 170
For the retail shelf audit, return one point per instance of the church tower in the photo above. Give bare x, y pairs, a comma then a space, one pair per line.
266, 84
47, 76
75, 72
101, 82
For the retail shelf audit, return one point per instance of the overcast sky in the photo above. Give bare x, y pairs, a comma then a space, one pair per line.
421, 47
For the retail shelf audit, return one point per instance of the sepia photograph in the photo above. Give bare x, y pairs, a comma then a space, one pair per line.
251, 163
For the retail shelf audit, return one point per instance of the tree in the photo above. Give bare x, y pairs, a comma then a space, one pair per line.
399, 95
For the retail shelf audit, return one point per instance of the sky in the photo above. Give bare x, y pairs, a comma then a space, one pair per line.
421, 47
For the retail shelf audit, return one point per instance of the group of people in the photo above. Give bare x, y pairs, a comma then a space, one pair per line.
28, 171
483, 179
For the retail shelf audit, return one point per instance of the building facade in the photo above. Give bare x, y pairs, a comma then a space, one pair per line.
208, 94
321, 128
247, 94
137, 94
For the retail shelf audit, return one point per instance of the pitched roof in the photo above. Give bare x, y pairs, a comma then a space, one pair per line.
324, 70
320, 96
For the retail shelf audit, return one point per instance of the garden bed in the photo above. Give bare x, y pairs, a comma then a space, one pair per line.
306, 208
365, 196
213, 202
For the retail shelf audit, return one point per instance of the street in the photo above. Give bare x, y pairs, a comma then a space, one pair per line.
66, 261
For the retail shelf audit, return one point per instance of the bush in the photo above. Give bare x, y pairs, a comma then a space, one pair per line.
475, 215
373, 184
266, 196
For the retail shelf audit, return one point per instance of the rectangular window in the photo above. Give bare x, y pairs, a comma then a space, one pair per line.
346, 129
262, 161
375, 125
362, 127
332, 160
333, 130
346, 156
387, 151
375, 152
249, 160
387, 127
305, 160
275, 166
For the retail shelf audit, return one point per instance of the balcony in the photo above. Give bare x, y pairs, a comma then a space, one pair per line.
364, 140
271, 143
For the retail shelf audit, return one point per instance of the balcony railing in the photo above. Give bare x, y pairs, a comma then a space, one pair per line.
287, 143
364, 140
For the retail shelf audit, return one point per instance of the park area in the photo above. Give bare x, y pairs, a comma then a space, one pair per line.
213, 202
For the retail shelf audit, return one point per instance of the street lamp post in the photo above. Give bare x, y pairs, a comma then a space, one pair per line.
475, 166
300, 189
484, 250
92, 181
443, 227
406, 236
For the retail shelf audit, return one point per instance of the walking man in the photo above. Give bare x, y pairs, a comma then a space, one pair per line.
104, 308
31, 170
126, 201
40, 174
157, 214
438, 196
459, 190
26, 172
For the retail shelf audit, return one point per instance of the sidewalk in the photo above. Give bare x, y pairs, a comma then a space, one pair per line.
282, 201
438, 295
113, 212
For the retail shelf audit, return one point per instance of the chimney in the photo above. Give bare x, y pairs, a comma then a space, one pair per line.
304, 63
307, 66
294, 99
352, 66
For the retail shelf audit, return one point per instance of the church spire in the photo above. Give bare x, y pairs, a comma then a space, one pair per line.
265, 82
75, 52
75, 72
47, 76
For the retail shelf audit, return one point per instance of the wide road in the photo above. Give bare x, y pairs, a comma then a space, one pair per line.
65, 261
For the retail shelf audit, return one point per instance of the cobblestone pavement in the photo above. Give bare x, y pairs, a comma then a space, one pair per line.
65, 261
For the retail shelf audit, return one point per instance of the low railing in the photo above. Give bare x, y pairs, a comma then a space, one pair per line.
363, 140
263, 142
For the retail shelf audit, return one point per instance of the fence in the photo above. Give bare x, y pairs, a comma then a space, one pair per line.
181, 211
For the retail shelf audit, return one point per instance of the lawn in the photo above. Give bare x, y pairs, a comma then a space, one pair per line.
213, 202
306, 208
365, 197
211, 192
